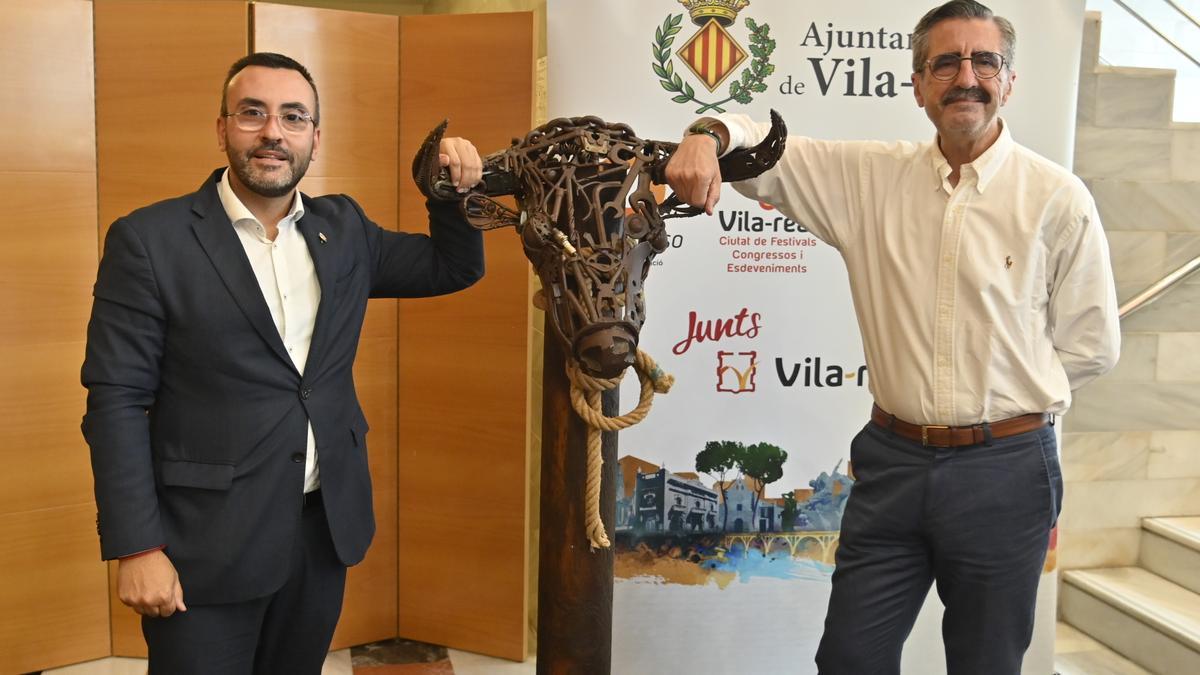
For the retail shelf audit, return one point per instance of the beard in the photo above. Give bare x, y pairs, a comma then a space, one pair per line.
269, 183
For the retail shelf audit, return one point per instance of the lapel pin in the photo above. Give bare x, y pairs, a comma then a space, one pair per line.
321, 236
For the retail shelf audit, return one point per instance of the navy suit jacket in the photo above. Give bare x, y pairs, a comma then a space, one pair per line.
196, 416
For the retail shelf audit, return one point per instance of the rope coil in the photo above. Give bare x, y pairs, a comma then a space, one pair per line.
585, 398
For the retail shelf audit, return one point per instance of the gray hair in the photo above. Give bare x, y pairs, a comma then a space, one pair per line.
960, 9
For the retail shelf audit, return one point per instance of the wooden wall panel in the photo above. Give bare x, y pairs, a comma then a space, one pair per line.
49, 263
352, 57
463, 358
159, 69
46, 85
53, 604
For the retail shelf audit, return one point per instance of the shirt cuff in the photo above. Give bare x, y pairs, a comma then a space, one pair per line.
743, 132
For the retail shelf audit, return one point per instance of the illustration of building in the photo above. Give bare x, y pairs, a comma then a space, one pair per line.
739, 502
628, 468
770, 514
667, 502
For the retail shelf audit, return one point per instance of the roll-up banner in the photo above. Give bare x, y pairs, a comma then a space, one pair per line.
724, 566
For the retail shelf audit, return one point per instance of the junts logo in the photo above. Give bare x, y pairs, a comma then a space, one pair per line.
743, 324
713, 55
736, 370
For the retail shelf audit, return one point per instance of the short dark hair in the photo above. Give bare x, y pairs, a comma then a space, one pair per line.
960, 9
271, 60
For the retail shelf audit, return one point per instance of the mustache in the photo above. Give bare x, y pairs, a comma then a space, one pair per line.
270, 147
966, 94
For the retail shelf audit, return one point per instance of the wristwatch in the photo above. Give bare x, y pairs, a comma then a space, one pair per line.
705, 126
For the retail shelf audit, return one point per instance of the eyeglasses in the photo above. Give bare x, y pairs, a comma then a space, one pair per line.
986, 65
253, 119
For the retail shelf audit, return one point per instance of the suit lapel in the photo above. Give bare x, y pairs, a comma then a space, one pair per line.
228, 256
316, 234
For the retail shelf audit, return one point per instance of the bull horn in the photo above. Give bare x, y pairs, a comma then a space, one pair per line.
428, 174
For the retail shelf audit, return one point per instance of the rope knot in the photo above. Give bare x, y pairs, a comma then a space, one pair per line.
585, 399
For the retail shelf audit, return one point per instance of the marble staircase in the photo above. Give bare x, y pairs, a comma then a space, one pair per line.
1150, 613
1129, 545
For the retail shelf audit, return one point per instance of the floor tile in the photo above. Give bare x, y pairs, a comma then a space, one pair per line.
433, 668
338, 663
397, 651
467, 663
111, 666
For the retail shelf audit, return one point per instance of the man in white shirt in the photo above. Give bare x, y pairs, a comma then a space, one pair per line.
228, 445
984, 294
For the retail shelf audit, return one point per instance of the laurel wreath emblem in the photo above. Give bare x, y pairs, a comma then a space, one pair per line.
741, 89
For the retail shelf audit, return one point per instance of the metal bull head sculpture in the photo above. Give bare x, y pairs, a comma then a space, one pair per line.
588, 220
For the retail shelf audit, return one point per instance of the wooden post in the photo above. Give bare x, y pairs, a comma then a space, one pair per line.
575, 584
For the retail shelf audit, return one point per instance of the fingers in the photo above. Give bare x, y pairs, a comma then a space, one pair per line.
714, 195
693, 172
179, 597
154, 605
463, 160
150, 586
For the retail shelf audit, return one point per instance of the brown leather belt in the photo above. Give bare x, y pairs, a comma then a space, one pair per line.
941, 436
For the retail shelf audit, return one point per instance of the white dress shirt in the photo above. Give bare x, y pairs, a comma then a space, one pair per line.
285, 273
976, 302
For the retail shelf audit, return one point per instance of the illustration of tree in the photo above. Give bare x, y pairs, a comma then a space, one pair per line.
717, 460
790, 511
762, 463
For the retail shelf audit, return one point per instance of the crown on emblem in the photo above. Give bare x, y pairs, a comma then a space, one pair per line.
723, 11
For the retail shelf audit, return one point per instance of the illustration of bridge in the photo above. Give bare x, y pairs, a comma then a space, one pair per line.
795, 541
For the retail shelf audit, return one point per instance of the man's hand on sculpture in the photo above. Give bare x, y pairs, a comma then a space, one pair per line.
463, 160
149, 584
693, 172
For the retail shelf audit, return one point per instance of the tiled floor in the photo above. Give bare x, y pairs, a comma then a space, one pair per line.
1075, 654
392, 657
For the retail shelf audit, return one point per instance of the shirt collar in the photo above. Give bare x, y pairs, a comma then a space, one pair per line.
984, 167
237, 211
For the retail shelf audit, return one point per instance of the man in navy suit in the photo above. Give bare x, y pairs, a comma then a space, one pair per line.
227, 443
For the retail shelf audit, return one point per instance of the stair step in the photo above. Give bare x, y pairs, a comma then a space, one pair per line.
1077, 654
1137, 71
1140, 98
1146, 618
1154, 206
1171, 549
1183, 530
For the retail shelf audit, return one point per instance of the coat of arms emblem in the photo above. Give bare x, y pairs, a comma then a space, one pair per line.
713, 55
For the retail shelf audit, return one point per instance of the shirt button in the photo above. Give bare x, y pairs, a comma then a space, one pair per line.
298, 457
305, 392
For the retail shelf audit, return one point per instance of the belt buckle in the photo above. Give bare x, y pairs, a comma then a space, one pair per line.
925, 431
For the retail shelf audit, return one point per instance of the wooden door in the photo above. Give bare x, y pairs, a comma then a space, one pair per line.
352, 58
156, 111
53, 597
464, 359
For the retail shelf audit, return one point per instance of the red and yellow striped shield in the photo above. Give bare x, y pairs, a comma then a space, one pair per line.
712, 54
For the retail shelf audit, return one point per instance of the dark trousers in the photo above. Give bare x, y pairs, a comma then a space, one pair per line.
287, 632
976, 520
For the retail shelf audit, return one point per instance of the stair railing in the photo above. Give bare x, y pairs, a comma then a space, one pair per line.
1157, 289
1187, 15
1134, 13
